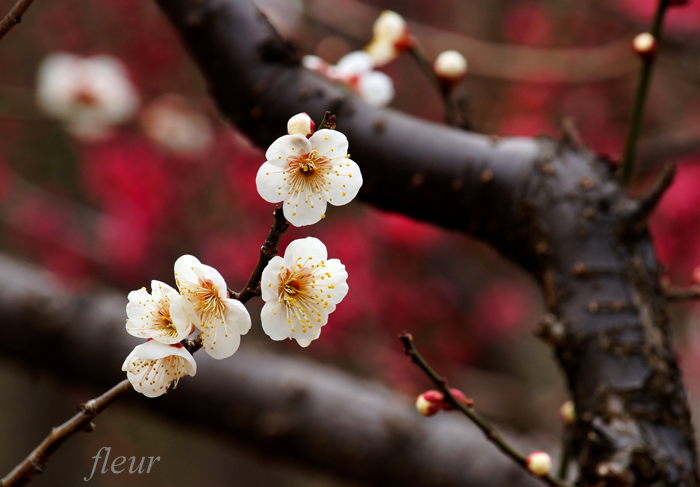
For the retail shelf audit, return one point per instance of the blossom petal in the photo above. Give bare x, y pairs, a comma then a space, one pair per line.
237, 314
304, 210
345, 183
335, 285
271, 184
330, 144
301, 249
376, 89
184, 269
286, 147
221, 340
270, 280
274, 321
304, 342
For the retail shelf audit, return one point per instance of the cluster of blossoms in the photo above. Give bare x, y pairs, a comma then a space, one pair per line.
305, 170
391, 38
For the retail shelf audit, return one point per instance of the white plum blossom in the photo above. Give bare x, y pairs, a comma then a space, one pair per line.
90, 95
220, 319
356, 71
314, 63
302, 124
391, 37
176, 126
300, 291
450, 65
153, 366
306, 174
160, 315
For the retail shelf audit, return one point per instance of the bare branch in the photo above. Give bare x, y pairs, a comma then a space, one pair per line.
14, 16
35, 463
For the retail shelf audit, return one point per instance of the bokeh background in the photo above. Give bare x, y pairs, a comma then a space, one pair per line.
120, 210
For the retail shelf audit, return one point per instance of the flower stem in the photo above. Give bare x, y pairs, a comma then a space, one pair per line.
328, 122
565, 456
420, 56
489, 431
630, 152
267, 252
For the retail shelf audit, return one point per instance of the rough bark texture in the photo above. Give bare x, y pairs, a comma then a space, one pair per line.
285, 407
552, 207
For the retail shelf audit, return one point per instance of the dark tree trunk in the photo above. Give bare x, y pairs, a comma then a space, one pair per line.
552, 207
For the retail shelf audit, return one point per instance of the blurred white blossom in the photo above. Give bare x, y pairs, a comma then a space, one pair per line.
153, 366
173, 124
90, 95
307, 174
391, 38
300, 290
356, 71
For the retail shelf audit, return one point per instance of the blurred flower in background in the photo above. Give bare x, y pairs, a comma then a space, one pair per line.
89, 95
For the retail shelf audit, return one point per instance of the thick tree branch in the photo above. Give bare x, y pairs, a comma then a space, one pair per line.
552, 207
35, 463
294, 409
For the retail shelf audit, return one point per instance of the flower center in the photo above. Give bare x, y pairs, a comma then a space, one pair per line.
208, 300
301, 296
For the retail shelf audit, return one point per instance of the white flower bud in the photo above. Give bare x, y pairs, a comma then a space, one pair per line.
390, 26
567, 412
644, 44
539, 463
450, 65
302, 124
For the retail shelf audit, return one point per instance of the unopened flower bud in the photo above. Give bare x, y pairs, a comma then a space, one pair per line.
390, 25
429, 402
450, 65
644, 44
459, 395
539, 463
567, 412
301, 124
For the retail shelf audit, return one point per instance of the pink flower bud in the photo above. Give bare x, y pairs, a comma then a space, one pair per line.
539, 463
644, 44
302, 124
459, 395
450, 65
429, 402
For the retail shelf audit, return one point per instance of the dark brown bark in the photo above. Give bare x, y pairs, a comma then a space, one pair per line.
280, 406
552, 207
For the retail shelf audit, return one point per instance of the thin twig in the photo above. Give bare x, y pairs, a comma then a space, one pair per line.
648, 201
489, 431
630, 152
420, 56
675, 295
565, 456
35, 463
267, 252
14, 16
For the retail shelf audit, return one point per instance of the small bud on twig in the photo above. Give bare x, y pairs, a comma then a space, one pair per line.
539, 463
459, 395
302, 124
430, 402
644, 45
567, 412
450, 67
